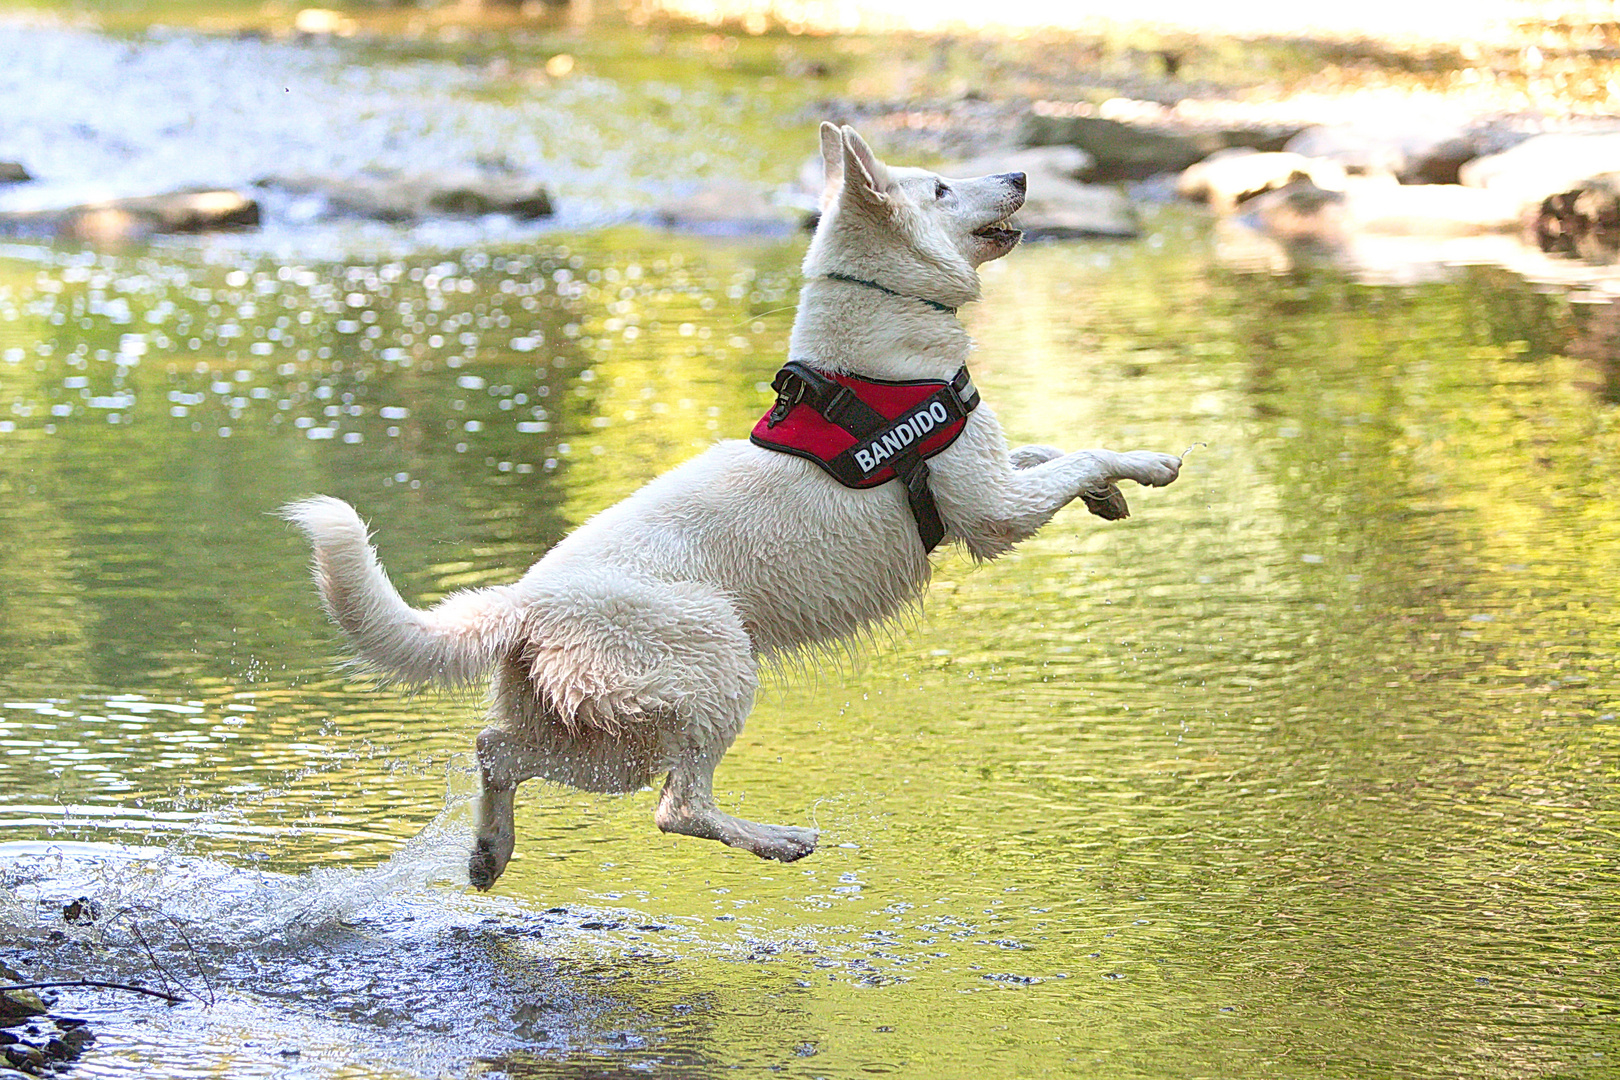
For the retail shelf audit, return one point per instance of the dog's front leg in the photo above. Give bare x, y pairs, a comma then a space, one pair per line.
1106, 502
1025, 457
1032, 495
1025, 498
687, 807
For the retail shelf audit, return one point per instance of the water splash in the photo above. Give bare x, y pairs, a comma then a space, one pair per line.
119, 889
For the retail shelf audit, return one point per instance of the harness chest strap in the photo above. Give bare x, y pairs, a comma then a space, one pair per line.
866, 432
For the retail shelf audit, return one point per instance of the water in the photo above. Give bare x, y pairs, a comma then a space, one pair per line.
1305, 770
641, 117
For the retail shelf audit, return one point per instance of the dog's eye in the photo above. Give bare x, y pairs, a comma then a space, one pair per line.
941, 189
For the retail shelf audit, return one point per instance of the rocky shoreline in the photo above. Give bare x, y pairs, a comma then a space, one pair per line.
1303, 185
1473, 161
34, 1039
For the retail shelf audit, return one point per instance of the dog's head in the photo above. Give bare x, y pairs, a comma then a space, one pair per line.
919, 233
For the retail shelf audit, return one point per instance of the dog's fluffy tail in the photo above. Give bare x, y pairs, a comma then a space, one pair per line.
454, 642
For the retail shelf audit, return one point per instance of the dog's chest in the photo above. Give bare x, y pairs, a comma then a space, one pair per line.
825, 561
816, 601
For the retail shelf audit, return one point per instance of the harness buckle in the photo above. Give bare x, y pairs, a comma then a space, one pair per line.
790, 390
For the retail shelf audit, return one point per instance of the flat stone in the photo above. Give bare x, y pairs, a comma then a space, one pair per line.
1057, 205
1228, 178
12, 172
1063, 161
1429, 209
118, 220
1544, 165
408, 197
1071, 210
1300, 213
727, 208
1416, 150
1120, 151
1132, 151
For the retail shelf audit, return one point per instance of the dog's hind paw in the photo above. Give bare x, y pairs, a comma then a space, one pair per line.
482, 867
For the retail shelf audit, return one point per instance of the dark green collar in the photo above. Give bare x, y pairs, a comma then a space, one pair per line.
935, 304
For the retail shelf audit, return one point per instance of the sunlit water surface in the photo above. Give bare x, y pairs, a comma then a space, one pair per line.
1308, 769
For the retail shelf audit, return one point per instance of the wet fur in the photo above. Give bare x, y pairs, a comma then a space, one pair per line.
631, 650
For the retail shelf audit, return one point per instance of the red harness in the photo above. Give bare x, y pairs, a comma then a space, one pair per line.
866, 432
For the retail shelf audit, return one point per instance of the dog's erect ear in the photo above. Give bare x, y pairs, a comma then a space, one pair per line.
865, 177
832, 157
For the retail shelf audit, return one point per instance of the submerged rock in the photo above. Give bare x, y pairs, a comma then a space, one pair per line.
32, 1041
1303, 213
407, 197
119, 220
39, 1045
1583, 222
729, 208
1300, 213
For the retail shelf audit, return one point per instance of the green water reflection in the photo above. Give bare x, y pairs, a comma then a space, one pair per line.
1306, 770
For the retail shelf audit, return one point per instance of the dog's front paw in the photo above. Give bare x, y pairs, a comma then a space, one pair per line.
1152, 469
1107, 503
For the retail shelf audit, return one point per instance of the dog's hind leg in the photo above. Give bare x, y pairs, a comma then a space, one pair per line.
687, 807
587, 759
503, 763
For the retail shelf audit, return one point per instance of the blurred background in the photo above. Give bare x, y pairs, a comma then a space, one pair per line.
1307, 769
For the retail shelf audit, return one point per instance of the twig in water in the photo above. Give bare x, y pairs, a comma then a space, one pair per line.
162, 971
202, 971
170, 998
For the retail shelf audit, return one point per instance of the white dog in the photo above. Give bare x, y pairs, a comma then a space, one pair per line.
631, 650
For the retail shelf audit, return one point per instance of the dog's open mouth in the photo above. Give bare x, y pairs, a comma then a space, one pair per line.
998, 232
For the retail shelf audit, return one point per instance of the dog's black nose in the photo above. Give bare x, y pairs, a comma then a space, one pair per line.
1015, 180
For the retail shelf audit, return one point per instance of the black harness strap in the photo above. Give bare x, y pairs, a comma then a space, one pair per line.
799, 383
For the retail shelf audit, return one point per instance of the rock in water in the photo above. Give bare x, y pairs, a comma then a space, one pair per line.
118, 220
16, 1005
408, 197
1228, 178
1583, 222
1545, 165
1058, 206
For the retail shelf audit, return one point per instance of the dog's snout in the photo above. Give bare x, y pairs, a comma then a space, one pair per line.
1015, 180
